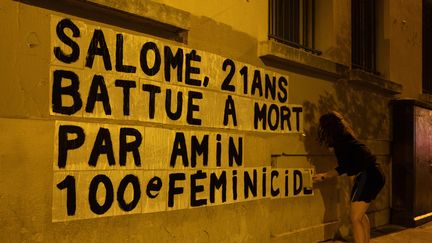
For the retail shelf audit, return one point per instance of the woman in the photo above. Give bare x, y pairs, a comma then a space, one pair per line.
353, 158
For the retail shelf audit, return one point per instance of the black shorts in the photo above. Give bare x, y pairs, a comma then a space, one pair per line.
368, 184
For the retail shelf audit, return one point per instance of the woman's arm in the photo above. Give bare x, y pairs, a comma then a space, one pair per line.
326, 175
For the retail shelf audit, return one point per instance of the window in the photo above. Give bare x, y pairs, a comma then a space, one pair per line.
427, 48
363, 35
293, 22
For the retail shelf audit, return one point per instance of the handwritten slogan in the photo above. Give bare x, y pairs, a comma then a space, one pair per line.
146, 126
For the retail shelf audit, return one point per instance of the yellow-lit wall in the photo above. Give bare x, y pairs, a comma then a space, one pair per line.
231, 29
405, 59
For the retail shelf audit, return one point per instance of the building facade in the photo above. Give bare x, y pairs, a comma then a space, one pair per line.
196, 121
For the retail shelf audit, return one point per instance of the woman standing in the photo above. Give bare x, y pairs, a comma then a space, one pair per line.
353, 158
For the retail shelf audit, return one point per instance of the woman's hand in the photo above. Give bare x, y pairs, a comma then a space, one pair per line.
323, 176
319, 177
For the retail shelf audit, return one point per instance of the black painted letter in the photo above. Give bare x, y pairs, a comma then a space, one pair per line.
154, 185
59, 53
168, 103
64, 144
120, 67
172, 189
174, 62
98, 47
69, 184
130, 146
192, 107
72, 90
234, 153
297, 111
133, 180
217, 183
153, 90
199, 148
150, 71
126, 85
298, 182
109, 196
260, 115
102, 145
230, 111
250, 184
179, 149
197, 188
98, 83
273, 192
192, 56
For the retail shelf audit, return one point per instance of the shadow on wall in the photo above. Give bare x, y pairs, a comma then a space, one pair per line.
369, 115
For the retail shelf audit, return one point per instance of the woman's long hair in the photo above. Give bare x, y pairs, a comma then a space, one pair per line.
332, 127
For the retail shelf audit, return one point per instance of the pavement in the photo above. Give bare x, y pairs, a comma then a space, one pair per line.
396, 234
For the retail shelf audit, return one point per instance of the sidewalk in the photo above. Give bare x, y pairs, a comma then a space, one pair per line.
399, 234
420, 234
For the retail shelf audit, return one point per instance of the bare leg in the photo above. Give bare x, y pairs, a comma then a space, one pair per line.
366, 227
358, 212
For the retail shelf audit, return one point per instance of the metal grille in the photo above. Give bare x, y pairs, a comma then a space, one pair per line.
293, 22
363, 35
427, 48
